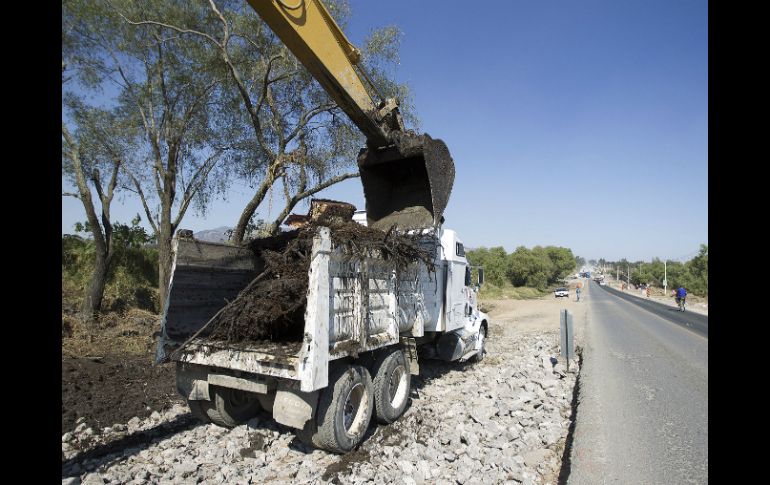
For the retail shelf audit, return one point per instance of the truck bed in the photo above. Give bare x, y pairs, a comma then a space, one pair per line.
354, 305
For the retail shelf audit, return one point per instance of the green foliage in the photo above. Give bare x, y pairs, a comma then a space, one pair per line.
693, 274
494, 262
133, 277
536, 268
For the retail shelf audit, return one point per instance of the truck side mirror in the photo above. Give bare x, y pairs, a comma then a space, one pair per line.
467, 276
481, 276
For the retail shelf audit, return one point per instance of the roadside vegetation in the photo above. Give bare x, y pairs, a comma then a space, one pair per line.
130, 301
692, 274
524, 273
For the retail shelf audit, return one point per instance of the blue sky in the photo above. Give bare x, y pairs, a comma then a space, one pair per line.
581, 124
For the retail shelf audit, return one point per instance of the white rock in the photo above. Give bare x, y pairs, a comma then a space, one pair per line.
93, 479
536, 457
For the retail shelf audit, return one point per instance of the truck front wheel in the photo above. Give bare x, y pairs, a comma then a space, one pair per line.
482, 344
344, 411
392, 381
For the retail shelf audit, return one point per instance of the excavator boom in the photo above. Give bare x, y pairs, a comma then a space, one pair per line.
407, 178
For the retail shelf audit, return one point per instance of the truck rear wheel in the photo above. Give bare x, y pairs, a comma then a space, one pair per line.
392, 382
231, 407
344, 411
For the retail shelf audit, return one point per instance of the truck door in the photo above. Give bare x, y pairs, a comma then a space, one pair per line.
459, 295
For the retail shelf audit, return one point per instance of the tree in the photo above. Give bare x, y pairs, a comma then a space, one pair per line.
93, 157
563, 262
698, 272
494, 261
288, 131
132, 278
169, 88
530, 268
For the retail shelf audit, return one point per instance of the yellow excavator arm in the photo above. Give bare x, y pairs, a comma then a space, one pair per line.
407, 178
312, 35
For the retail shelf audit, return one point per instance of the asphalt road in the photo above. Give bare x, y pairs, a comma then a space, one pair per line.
642, 414
694, 321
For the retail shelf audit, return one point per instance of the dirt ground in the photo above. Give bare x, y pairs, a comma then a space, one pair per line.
114, 389
542, 314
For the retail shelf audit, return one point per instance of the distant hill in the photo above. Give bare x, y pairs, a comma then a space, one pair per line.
213, 235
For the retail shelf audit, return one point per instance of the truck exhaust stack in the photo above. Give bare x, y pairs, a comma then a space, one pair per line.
407, 184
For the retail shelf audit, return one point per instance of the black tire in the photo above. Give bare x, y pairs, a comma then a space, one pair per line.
200, 410
231, 407
483, 337
392, 382
344, 411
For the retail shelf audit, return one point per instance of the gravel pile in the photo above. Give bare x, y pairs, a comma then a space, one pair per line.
503, 420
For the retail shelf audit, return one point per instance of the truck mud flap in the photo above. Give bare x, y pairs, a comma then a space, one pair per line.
294, 408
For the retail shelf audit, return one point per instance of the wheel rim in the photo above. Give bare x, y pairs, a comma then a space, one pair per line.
354, 409
397, 387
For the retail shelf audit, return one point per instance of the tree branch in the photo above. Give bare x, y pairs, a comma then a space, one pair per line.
85, 193
196, 182
172, 27
309, 115
140, 192
302, 195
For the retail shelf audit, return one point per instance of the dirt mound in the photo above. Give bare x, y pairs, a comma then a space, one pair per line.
272, 306
114, 389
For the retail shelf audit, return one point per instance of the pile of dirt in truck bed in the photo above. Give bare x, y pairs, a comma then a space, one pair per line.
113, 389
272, 306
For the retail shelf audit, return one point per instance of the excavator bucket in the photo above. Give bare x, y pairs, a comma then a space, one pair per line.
407, 184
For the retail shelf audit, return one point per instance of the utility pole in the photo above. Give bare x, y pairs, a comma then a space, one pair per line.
665, 281
628, 275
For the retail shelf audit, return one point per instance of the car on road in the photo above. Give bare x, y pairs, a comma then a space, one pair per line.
558, 292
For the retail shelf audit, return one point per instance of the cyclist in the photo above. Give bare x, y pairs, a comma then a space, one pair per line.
681, 296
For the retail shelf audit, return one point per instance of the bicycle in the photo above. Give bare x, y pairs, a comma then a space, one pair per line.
680, 303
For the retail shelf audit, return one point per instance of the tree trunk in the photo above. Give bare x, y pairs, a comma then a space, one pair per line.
92, 302
239, 231
164, 263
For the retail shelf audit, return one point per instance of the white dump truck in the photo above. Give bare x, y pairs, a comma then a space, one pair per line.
364, 323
